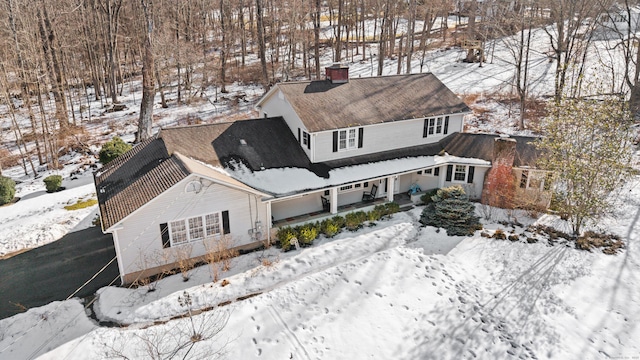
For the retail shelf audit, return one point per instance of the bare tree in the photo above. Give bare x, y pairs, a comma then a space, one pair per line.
145, 122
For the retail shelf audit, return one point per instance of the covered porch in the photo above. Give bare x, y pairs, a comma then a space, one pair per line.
401, 199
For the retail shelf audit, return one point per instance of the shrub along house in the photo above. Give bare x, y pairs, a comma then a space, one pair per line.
320, 148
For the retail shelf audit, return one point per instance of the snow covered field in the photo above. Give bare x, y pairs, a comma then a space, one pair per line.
394, 290
391, 291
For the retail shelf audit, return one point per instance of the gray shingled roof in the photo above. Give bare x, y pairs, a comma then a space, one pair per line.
135, 178
322, 105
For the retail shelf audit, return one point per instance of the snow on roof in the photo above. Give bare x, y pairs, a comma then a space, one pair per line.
287, 181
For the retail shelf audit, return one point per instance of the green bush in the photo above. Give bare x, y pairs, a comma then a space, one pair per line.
329, 228
284, 236
391, 208
451, 210
53, 183
354, 220
339, 221
307, 233
426, 198
7, 190
112, 149
374, 215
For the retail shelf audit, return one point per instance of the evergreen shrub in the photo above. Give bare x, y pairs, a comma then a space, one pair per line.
451, 210
7, 190
53, 183
112, 149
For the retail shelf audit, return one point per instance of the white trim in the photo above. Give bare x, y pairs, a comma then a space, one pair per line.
453, 174
187, 228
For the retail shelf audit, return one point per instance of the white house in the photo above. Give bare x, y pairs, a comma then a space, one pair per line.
320, 148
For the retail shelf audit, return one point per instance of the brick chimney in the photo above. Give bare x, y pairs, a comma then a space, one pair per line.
337, 74
499, 182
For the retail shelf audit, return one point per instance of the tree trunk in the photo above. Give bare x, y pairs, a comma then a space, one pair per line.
261, 45
145, 122
316, 37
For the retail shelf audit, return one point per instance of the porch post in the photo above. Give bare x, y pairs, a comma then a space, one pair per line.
390, 184
441, 177
269, 222
333, 192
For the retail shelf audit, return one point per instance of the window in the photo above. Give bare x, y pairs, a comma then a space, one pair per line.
460, 173
430, 172
195, 228
178, 232
306, 139
436, 171
213, 224
436, 126
355, 186
346, 187
535, 179
347, 139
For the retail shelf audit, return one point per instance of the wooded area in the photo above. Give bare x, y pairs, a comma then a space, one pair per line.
59, 56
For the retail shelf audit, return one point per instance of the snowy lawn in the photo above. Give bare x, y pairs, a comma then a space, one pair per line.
387, 291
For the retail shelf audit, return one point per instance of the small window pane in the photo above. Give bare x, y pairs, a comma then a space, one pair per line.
431, 126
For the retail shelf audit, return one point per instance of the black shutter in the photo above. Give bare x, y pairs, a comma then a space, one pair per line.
225, 222
436, 171
335, 141
449, 172
164, 234
424, 129
360, 136
470, 176
299, 136
446, 125
308, 141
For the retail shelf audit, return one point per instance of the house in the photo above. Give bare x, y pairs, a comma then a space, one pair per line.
319, 148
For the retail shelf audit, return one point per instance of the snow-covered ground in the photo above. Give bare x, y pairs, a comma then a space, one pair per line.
394, 290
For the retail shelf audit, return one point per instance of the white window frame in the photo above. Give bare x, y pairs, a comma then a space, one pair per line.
347, 139
429, 172
455, 172
195, 228
353, 187
539, 175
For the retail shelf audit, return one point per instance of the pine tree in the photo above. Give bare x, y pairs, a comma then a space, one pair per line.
451, 209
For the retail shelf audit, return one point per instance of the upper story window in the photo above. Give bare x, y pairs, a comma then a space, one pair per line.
435, 126
348, 139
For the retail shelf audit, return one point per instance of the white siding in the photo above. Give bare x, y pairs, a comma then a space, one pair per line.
382, 137
297, 206
474, 190
139, 238
277, 105
426, 182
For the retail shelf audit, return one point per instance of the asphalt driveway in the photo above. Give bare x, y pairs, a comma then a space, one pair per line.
54, 271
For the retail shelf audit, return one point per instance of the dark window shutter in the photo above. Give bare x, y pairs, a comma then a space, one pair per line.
436, 171
446, 125
360, 136
424, 129
225, 222
335, 141
299, 136
309, 141
164, 234
470, 175
449, 172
